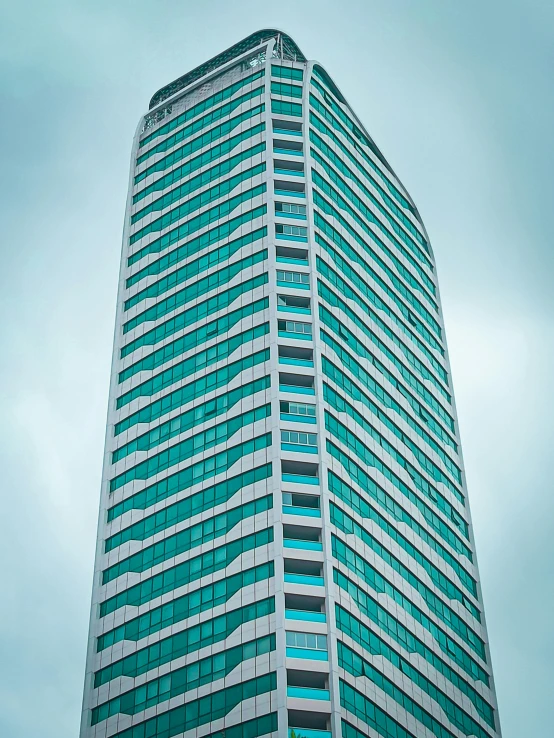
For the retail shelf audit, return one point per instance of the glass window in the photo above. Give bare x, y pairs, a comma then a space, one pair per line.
283, 107
289, 207
297, 408
306, 640
291, 326
183, 152
188, 571
290, 230
278, 70
299, 438
293, 277
282, 88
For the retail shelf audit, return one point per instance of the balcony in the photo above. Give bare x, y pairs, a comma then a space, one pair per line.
298, 418
296, 388
307, 693
294, 216
295, 329
283, 308
293, 361
296, 356
288, 127
301, 504
303, 545
312, 654
290, 189
307, 579
294, 304
299, 472
306, 608
288, 168
300, 479
306, 573
306, 616
290, 255
311, 646
287, 148
291, 232
300, 383
308, 512
299, 448
303, 537
296, 285
309, 723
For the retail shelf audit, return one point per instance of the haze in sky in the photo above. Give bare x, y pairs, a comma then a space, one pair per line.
458, 95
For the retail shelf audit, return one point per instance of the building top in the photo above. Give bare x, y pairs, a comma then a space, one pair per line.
289, 51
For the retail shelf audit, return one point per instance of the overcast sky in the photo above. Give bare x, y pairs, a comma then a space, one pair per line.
458, 95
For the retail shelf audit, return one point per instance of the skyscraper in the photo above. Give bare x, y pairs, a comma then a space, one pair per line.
284, 543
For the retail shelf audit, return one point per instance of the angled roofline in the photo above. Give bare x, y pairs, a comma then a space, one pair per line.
292, 51
250, 42
376, 150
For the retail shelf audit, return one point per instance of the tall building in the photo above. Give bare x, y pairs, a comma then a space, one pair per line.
284, 544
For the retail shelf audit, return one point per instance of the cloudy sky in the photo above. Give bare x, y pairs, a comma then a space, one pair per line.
458, 94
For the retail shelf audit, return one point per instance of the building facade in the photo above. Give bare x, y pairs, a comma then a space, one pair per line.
284, 543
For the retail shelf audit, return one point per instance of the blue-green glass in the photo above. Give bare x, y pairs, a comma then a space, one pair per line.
367, 574
196, 223
387, 400
406, 238
409, 325
186, 641
439, 375
355, 140
342, 406
329, 209
362, 507
286, 90
373, 644
349, 526
278, 70
186, 393
406, 640
179, 681
195, 267
194, 474
181, 608
188, 571
202, 106
358, 475
340, 329
362, 216
196, 162
184, 151
195, 245
283, 107
398, 212
220, 433
192, 204
188, 507
193, 315
195, 290
195, 183
195, 363
213, 706
202, 413
368, 458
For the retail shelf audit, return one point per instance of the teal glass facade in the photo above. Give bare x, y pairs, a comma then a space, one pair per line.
284, 544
